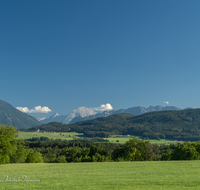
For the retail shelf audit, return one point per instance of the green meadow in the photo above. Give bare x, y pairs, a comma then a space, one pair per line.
71, 135
123, 139
179, 175
61, 135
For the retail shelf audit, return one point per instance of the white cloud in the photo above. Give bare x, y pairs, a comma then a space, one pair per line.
166, 102
37, 109
23, 109
103, 107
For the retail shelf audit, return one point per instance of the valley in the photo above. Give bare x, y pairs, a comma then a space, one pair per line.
70, 136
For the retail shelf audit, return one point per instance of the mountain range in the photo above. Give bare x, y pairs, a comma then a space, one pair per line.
181, 125
12, 116
84, 113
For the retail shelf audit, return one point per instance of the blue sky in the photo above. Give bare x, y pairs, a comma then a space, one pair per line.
68, 54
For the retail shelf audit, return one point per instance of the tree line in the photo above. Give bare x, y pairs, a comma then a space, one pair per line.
18, 151
132, 150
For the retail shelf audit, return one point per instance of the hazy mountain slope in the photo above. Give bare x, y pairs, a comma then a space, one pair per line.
12, 116
55, 117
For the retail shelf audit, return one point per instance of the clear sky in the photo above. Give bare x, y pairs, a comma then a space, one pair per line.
67, 54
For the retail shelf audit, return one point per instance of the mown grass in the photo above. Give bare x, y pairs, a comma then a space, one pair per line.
180, 175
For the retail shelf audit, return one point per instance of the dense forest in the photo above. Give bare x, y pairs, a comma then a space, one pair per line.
133, 150
178, 125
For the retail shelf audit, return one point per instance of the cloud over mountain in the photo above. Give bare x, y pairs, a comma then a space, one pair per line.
37, 109
103, 107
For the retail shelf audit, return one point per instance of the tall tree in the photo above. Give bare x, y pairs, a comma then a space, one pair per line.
8, 143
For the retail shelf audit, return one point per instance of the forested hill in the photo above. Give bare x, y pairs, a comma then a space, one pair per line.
180, 125
99, 124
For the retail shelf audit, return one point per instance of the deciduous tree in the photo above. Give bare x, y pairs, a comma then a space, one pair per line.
8, 143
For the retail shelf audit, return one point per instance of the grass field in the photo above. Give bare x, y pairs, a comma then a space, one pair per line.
179, 175
71, 135
64, 135
122, 139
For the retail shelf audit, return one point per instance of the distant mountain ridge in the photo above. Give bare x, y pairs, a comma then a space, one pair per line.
84, 113
81, 112
12, 116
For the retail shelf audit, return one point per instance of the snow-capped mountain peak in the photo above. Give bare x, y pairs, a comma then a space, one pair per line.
40, 119
55, 115
80, 112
